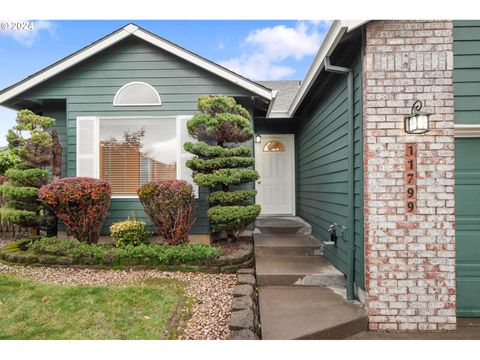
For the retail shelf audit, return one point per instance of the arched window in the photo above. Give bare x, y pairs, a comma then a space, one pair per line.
137, 94
274, 146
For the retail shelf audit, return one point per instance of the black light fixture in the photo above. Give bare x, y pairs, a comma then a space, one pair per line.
417, 122
258, 138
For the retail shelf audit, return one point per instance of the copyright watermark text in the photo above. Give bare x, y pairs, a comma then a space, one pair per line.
16, 25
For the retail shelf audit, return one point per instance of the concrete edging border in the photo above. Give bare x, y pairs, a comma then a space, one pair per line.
245, 320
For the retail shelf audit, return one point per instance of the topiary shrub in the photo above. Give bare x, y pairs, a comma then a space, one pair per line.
81, 203
129, 232
170, 206
221, 163
31, 150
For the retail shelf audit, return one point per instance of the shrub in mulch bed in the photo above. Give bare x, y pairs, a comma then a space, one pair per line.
131, 231
160, 253
184, 257
81, 203
170, 206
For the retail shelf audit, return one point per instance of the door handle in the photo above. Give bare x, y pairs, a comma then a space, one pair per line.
259, 182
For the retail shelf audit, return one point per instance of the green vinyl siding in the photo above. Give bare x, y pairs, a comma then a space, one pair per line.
466, 78
466, 74
89, 89
322, 169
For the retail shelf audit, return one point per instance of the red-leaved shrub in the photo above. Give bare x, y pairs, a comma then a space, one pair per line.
170, 206
80, 203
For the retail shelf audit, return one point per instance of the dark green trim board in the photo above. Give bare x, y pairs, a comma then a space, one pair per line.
324, 174
348, 72
88, 89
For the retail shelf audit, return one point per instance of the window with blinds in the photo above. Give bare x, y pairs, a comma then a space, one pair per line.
134, 151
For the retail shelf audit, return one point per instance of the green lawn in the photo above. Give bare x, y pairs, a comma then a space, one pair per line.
30, 310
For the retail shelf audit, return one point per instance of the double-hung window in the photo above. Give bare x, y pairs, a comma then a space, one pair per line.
128, 152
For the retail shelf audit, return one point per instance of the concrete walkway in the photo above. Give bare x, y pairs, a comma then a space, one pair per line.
301, 294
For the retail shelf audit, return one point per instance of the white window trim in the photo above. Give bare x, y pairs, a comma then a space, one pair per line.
178, 123
115, 99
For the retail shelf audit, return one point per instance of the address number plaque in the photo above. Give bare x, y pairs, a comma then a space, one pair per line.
411, 178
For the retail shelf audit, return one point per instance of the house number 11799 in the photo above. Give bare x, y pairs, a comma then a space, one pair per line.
411, 178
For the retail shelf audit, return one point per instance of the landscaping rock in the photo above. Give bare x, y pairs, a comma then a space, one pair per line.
243, 334
242, 319
242, 303
246, 279
64, 260
246, 271
243, 290
47, 259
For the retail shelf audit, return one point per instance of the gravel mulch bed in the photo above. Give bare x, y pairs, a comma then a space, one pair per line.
212, 292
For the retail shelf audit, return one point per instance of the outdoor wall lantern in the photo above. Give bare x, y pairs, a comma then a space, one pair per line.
258, 138
418, 121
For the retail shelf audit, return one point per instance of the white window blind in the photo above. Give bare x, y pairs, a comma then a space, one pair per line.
134, 151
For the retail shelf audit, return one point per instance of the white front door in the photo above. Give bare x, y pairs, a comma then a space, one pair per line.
274, 161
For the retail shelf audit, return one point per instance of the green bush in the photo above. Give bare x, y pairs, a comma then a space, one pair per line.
163, 254
29, 177
128, 232
197, 164
232, 217
240, 197
8, 160
226, 177
210, 151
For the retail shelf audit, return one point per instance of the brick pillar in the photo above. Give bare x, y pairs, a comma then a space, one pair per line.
409, 259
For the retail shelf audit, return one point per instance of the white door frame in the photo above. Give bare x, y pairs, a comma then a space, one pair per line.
291, 137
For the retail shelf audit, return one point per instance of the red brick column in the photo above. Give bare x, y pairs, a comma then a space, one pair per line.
409, 259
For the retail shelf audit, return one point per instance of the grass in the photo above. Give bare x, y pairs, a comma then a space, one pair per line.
150, 310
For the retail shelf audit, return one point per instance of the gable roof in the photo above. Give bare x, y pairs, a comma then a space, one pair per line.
115, 37
286, 91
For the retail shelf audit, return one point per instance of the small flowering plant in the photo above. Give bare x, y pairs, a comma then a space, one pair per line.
80, 203
131, 231
170, 206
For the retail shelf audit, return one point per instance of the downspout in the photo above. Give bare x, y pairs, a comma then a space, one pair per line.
351, 173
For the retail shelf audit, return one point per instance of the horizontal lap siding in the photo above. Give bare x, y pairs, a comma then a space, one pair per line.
466, 79
90, 87
358, 174
466, 61
322, 169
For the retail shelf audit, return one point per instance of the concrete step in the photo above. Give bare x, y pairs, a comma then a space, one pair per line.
285, 244
282, 225
297, 270
304, 312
